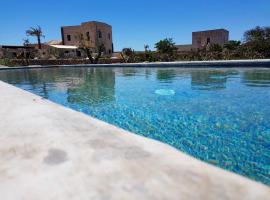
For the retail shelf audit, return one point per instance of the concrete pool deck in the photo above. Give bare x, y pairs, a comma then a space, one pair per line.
51, 152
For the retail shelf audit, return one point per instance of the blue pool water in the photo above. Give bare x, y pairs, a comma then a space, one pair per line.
221, 116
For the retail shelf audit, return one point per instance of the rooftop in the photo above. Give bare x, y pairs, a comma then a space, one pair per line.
96, 22
64, 46
213, 30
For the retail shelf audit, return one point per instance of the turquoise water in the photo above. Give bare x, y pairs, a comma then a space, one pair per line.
221, 116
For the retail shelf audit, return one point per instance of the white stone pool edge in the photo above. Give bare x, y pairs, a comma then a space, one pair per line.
50, 152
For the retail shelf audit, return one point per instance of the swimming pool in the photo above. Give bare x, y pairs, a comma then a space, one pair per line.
221, 116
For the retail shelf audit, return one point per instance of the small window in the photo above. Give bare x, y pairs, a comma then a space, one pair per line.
99, 34
88, 36
208, 41
109, 36
78, 53
69, 37
110, 51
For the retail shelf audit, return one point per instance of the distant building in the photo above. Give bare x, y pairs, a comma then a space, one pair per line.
184, 48
202, 39
12, 52
91, 34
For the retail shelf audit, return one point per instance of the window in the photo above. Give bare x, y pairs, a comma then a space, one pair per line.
109, 36
110, 51
88, 36
69, 37
208, 41
99, 34
78, 53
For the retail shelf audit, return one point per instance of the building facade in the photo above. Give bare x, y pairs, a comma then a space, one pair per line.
13, 52
89, 34
201, 39
184, 48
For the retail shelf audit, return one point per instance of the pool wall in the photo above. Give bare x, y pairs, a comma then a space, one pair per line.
48, 151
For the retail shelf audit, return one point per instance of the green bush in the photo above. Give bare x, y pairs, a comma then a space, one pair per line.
6, 62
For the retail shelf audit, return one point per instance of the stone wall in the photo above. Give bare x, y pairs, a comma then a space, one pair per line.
21, 62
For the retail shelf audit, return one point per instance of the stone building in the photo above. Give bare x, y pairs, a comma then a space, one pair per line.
13, 52
90, 34
183, 48
201, 39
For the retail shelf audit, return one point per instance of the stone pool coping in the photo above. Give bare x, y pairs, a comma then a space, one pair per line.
48, 152
185, 64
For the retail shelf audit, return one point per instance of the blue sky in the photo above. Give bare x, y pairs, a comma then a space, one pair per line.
136, 22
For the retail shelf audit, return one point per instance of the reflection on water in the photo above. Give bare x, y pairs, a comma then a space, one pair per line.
210, 79
83, 86
257, 78
221, 116
96, 87
129, 71
166, 74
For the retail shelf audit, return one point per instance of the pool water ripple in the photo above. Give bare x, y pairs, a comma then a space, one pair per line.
221, 116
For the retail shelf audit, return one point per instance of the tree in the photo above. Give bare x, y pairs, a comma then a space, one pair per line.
232, 45
215, 48
100, 50
166, 48
257, 42
36, 32
83, 45
214, 52
232, 50
146, 48
128, 55
26, 42
257, 34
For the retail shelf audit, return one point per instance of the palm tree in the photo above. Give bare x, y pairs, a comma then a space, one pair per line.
26, 42
36, 32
